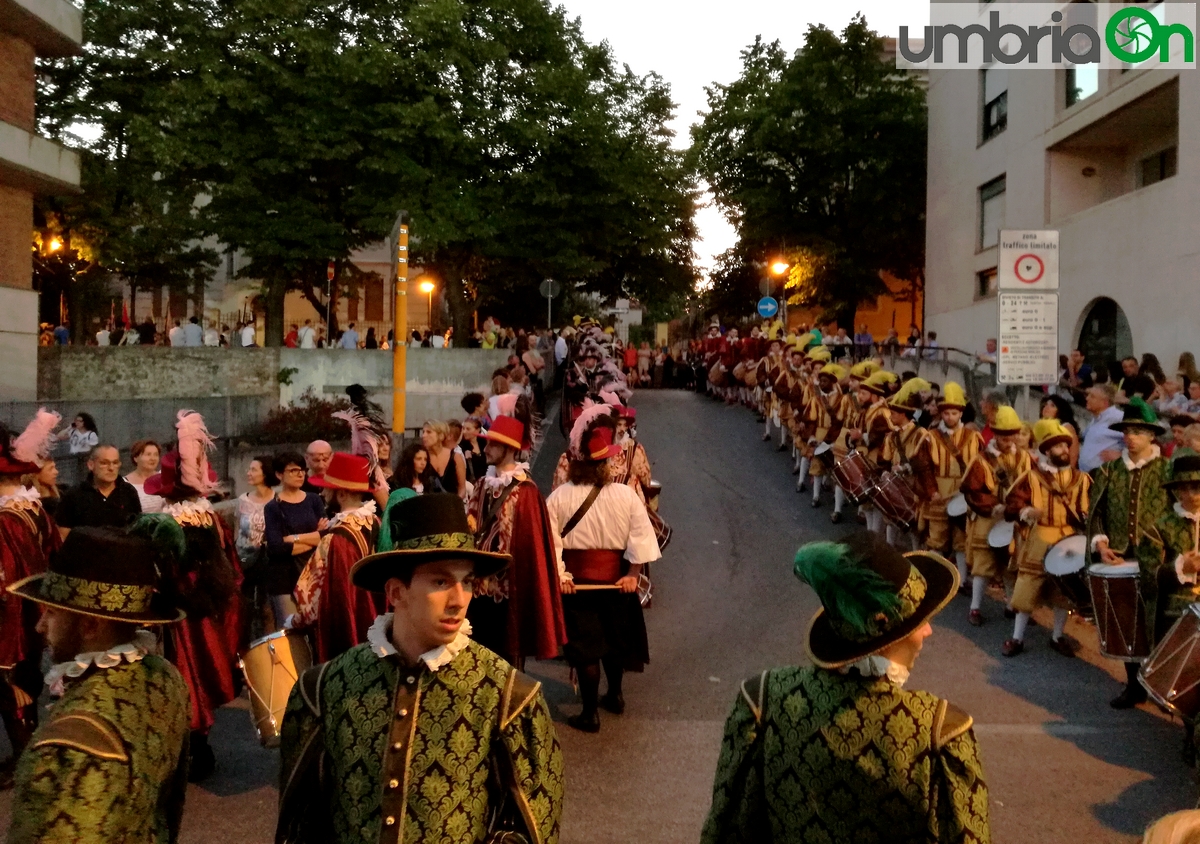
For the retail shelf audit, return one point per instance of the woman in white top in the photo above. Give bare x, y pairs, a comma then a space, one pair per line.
251, 524
602, 539
81, 435
145, 454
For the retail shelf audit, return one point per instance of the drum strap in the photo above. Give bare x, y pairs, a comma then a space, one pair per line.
581, 512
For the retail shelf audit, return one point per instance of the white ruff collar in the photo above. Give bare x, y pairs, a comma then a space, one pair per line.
879, 666
144, 642
1184, 514
23, 495
1047, 465
380, 641
190, 507
1133, 467
947, 431
365, 512
495, 481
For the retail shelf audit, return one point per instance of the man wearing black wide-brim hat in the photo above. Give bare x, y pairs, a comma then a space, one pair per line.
839, 751
420, 734
1128, 496
110, 763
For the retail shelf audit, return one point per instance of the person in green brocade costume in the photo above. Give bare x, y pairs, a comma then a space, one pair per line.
840, 752
420, 734
1126, 501
110, 763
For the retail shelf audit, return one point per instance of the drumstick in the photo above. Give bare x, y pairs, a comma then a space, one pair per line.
592, 587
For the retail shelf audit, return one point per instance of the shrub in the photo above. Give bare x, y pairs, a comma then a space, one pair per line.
309, 418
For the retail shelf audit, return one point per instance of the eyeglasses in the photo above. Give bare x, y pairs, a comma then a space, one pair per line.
293, 470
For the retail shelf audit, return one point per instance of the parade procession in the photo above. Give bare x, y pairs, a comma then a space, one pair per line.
579, 422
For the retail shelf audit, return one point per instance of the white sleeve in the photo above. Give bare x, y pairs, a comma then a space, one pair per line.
642, 546
555, 535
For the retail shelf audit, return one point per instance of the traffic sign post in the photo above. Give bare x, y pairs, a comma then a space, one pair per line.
767, 307
1027, 303
550, 288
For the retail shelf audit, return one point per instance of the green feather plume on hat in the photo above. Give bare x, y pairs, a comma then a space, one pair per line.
849, 591
162, 530
1145, 411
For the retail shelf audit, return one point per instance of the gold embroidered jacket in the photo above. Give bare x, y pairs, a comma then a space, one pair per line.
815, 755
375, 751
110, 763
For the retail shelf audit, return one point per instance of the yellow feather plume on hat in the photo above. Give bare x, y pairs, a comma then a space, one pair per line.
953, 396
909, 396
837, 371
820, 354
880, 382
865, 368
1007, 421
805, 340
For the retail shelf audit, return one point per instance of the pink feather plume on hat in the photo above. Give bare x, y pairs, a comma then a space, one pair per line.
591, 412
34, 443
194, 444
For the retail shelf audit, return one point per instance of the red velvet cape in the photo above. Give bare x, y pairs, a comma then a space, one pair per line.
27, 539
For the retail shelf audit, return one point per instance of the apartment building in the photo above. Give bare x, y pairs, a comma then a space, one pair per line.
1109, 158
29, 165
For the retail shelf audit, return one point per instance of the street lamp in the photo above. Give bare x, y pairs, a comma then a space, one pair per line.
426, 287
779, 268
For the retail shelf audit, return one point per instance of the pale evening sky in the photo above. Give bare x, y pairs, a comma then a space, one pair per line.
694, 44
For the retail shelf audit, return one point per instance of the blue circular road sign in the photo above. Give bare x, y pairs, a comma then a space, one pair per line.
767, 307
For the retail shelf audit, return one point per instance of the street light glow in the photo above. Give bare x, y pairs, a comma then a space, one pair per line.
426, 287
55, 244
779, 267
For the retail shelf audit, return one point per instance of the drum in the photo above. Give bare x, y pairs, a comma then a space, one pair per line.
1064, 562
653, 491
272, 665
718, 374
752, 374
896, 500
1001, 534
739, 372
1120, 614
956, 507
1172, 673
856, 476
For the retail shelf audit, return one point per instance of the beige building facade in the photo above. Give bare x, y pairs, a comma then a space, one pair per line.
1109, 158
29, 165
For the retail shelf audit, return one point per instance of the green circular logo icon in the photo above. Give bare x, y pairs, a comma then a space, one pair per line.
1132, 34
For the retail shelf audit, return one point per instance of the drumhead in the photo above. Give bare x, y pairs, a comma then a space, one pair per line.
1067, 556
957, 506
278, 634
1114, 570
1001, 534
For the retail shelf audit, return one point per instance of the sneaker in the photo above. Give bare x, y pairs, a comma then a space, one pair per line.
1012, 647
975, 618
1063, 645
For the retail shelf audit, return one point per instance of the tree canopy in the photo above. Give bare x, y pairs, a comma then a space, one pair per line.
818, 158
294, 130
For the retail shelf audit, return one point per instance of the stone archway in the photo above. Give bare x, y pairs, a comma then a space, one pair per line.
1104, 335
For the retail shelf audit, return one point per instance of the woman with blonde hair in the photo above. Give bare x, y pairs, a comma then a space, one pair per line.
1187, 369
448, 467
1176, 828
45, 481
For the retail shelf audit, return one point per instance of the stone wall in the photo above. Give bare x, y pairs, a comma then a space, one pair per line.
155, 372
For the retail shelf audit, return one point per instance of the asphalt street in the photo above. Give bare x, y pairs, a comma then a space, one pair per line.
1061, 765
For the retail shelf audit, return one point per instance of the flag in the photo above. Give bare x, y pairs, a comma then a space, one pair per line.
124, 312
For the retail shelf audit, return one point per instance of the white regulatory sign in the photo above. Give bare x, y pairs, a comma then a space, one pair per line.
1028, 260
1027, 351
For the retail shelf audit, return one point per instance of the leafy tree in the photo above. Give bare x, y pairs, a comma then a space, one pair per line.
818, 158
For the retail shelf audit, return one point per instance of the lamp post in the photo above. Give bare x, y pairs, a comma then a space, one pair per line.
779, 269
426, 287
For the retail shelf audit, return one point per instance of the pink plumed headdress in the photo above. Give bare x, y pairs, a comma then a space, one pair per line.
194, 444
365, 434
591, 412
35, 442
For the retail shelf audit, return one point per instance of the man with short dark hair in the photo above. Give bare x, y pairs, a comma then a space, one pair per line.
176, 336
349, 338
398, 738
193, 334
1133, 383
104, 499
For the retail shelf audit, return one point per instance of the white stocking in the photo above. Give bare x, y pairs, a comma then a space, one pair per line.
960, 557
892, 535
1019, 626
1060, 623
804, 463
817, 488
978, 587
839, 499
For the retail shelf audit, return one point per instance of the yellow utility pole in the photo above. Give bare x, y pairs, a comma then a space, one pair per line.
400, 332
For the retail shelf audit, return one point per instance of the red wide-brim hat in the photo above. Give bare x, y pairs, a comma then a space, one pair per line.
508, 431
346, 471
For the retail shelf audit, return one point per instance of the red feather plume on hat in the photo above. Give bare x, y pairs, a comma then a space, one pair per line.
35, 442
194, 444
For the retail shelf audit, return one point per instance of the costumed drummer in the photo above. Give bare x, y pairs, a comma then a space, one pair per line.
1050, 503
985, 486
1127, 500
327, 603
603, 538
205, 583
110, 763
28, 537
876, 426
901, 446
425, 732
946, 451
518, 612
812, 753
